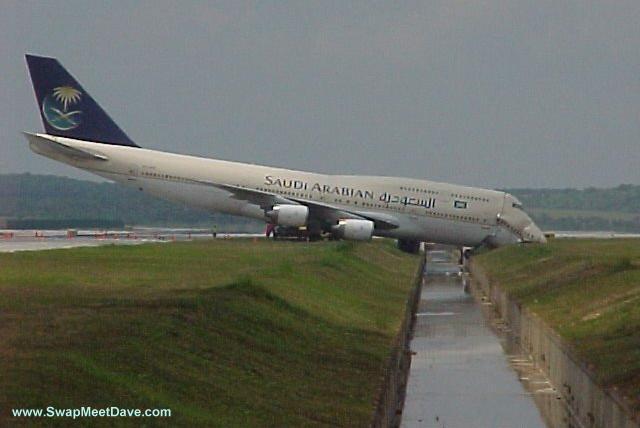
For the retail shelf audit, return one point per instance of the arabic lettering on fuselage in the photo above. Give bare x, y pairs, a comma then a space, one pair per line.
285, 183
407, 200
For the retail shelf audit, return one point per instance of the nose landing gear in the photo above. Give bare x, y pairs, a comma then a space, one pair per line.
467, 253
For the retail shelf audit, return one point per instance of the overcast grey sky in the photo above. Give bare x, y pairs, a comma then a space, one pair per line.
479, 92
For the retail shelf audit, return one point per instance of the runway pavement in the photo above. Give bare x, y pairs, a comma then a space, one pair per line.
37, 240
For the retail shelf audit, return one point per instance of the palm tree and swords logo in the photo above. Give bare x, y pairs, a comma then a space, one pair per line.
56, 106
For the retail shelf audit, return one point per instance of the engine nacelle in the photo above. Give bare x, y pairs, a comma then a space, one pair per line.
289, 215
354, 229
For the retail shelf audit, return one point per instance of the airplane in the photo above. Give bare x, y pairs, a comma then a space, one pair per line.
78, 132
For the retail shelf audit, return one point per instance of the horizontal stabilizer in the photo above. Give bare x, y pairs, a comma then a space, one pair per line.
48, 143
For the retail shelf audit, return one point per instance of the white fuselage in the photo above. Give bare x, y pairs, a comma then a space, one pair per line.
425, 210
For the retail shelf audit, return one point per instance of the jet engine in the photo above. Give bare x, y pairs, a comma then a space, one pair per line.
354, 229
289, 215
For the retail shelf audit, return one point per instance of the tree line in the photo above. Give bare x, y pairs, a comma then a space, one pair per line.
28, 197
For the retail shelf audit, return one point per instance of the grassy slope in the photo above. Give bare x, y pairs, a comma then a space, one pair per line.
589, 292
230, 333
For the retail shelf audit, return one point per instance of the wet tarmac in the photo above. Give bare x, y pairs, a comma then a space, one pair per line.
11, 246
460, 375
38, 240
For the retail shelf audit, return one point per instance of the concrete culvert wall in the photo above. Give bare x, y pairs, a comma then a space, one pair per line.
387, 408
590, 405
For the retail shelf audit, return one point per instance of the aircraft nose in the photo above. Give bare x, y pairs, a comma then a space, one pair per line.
532, 233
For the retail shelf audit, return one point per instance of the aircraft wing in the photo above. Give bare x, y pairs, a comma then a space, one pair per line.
318, 210
264, 200
380, 220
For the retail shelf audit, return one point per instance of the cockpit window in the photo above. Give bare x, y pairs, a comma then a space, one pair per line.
517, 205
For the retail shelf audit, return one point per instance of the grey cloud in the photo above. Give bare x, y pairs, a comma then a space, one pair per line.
487, 92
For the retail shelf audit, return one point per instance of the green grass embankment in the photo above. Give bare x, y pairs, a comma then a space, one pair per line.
232, 333
588, 291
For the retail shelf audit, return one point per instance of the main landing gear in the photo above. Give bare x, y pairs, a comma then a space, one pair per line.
409, 246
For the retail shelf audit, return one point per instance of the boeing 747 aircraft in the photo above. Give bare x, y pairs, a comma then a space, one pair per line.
79, 132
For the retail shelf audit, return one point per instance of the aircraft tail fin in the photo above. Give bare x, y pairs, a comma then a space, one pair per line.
67, 110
